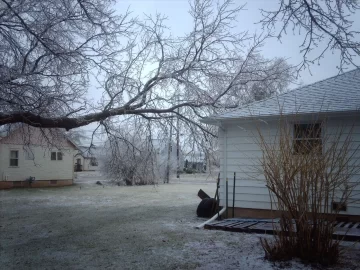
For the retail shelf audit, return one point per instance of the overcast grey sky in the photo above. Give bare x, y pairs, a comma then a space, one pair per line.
179, 22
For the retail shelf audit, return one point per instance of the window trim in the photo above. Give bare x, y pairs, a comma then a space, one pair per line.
56, 156
17, 158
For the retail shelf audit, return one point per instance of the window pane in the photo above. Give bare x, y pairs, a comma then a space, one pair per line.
53, 155
14, 162
59, 155
307, 146
307, 131
14, 154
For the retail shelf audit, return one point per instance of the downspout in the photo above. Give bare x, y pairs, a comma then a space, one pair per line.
211, 219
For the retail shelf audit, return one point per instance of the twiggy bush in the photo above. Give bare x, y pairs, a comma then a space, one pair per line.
130, 161
307, 168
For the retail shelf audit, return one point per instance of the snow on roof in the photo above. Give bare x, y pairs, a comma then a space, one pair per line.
340, 93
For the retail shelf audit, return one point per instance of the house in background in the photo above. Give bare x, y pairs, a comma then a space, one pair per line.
336, 100
86, 159
195, 160
37, 158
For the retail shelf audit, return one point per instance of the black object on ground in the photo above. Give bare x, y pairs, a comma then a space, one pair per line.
206, 208
99, 183
203, 195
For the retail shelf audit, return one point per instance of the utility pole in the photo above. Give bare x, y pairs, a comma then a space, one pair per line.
169, 156
178, 143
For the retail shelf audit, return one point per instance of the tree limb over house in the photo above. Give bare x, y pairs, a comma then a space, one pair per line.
50, 52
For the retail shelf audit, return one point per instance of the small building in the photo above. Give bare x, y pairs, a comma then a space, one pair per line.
36, 157
195, 160
336, 100
86, 159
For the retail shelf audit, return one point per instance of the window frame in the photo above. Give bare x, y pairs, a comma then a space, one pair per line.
56, 156
17, 158
302, 138
53, 158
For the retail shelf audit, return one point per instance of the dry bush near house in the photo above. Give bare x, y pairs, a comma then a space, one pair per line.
306, 170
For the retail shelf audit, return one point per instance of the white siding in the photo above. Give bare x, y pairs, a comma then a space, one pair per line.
240, 153
42, 167
87, 165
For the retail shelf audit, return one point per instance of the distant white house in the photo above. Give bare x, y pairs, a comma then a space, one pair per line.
86, 159
336, 99
29, 157
195, 160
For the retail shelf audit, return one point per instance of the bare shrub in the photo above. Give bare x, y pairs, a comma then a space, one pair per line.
306, 171
130, 161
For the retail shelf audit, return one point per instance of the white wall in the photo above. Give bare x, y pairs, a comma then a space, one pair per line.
88, 167
42, 167
240, 153
86, 163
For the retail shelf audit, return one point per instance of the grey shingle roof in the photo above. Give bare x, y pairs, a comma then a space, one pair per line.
340, 93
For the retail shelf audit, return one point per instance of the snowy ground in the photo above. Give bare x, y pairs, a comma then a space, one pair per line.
87, 226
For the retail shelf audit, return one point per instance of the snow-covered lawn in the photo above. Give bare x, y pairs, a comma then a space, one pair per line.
111, 227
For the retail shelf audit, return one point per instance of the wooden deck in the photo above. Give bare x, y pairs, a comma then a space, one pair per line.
349, 231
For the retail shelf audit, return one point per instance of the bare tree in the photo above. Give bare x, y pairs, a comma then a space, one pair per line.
51, 50
326, 25
130, 158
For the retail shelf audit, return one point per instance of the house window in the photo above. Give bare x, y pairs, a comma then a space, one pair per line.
307, 139
14, 158
337, 206
56, 156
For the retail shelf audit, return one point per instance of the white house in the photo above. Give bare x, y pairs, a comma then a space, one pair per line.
28, 153
86, 159
195, 160
336, 99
